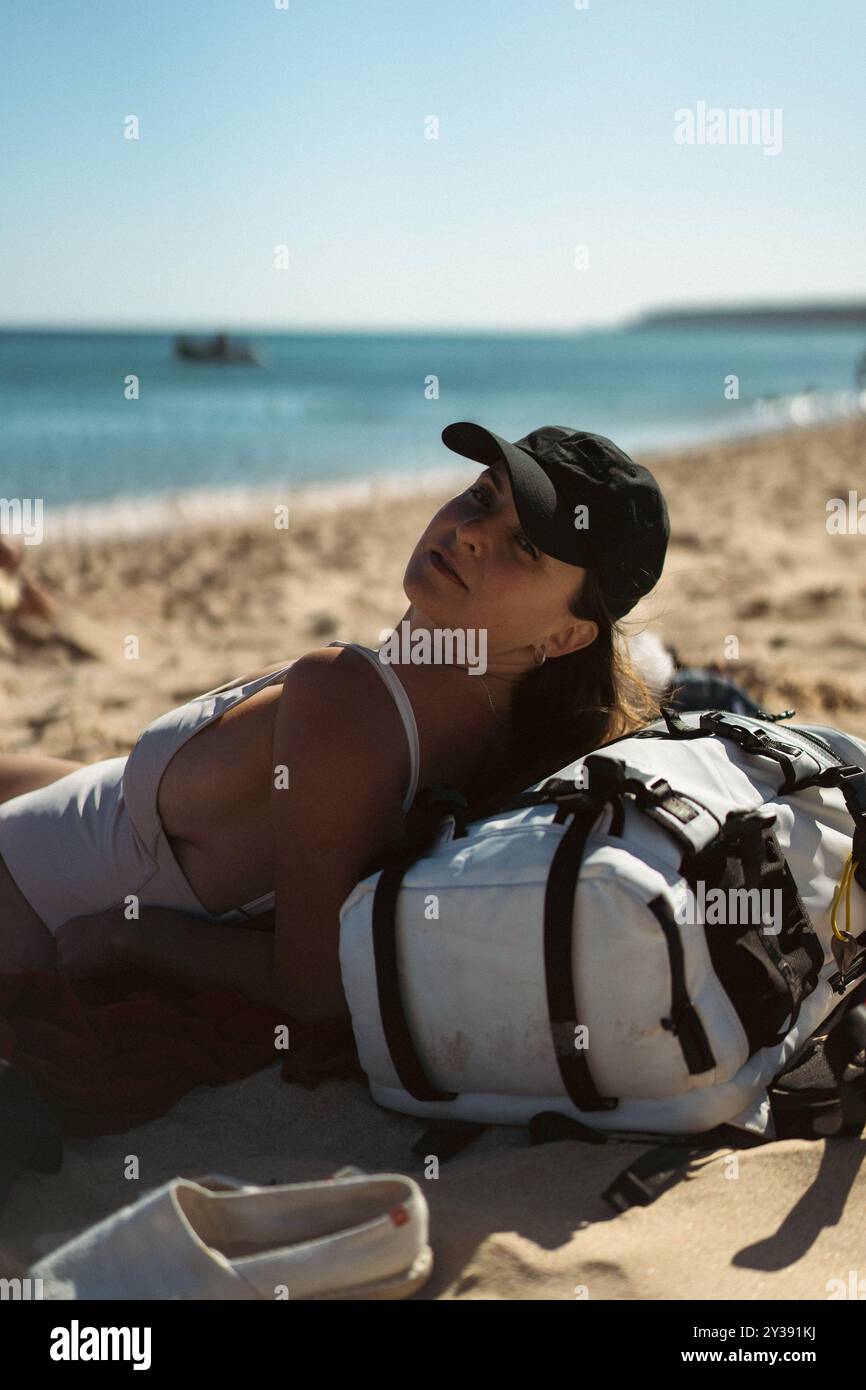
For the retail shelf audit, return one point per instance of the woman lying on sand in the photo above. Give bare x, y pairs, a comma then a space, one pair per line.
263, 803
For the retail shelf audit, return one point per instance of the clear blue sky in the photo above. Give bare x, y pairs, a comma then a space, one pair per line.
305, 126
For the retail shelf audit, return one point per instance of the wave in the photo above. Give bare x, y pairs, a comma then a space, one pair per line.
200, 508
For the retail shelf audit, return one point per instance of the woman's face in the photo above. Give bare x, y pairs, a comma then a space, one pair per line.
504, 583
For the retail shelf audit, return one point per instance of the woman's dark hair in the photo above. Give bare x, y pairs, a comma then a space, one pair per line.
566, 707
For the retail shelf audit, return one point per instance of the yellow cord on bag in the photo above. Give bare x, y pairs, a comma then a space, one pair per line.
844, 886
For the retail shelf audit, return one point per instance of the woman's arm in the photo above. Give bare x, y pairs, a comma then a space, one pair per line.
203, 955
341, 741
175, 946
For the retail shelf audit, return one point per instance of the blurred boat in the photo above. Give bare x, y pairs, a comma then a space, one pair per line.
219, 348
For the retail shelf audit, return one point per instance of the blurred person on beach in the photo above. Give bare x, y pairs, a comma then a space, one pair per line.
21, 597
29, 612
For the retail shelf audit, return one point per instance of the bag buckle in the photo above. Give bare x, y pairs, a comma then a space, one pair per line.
852, 784
751, 740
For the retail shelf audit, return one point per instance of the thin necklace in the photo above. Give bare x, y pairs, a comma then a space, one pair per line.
496, 713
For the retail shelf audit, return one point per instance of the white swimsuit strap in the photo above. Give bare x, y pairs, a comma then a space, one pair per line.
407, 714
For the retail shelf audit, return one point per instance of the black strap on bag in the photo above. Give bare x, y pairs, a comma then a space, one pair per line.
431, 809
444, 1139
663, 1166
846, 1046
746, 730
658, 1168
395, 1025
786, 753
766, 974
559, 965
683, 1019
852, 784
685, 818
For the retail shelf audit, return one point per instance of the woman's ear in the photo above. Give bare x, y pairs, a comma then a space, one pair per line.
579, 633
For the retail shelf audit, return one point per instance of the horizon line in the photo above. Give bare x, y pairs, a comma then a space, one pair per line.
633, 319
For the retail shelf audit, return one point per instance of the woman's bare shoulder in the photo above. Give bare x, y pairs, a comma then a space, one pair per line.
339, 708
340, 675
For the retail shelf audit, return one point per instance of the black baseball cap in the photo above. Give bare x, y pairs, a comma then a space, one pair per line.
555, 469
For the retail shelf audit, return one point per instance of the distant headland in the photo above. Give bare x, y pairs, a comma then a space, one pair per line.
816, 315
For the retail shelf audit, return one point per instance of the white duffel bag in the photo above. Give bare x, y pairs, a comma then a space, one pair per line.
641, 942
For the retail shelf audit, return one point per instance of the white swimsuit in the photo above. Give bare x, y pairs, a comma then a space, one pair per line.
94, 837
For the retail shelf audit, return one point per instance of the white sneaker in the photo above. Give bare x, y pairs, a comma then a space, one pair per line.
352, 1236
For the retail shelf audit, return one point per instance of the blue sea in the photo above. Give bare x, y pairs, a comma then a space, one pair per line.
328, 408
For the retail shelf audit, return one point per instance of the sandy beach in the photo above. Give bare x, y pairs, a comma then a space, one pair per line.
754, 581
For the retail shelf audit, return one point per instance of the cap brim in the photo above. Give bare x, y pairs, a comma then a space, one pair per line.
535, 499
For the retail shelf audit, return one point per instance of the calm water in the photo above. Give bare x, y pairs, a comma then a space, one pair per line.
332, 407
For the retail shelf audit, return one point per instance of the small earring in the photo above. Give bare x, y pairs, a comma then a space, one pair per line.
543, 656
